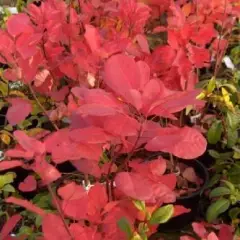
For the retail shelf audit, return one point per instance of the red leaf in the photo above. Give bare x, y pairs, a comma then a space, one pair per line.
5, 165
45, 170
179, 210
205, 34
97, 200
93, 38
200, 57
19, 110
18, 23
26, 204
151, 169
53, 228
226, 232
134, 185
26, 44
121, 74
95, 109
199, 229
18, 152
162, 58
79, 232
170, 180
41, 77
9, 225
212, 236
87, 166
74, 151
187, 238
70, 70
190, 175
185, 143
143, 43
71, 191
90, 135
121, 125
28, 143
28, 185
61, 94
75, 201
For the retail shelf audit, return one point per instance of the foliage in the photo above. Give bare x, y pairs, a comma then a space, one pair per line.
86, 69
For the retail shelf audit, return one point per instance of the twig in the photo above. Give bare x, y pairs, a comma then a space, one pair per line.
41, 106
59, 210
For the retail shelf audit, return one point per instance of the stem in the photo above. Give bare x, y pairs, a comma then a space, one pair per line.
173, 167
49, 186
218, 54
59, 210
42, 107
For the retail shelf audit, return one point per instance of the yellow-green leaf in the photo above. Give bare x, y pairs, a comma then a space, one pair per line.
211, 85
5, 138
7, 178
162, 214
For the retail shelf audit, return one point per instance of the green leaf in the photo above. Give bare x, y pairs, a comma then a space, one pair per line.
24, 124
232, 137
234, 173
236, 155
8, 188
140, 205
143, 229
217, 208
229, 185
24, 230
3, 88
230, 87
215, 132
211, 85
214, 180
219, 191
214, 154
162, 215
234, 212
124, 225
7, 178
38, 221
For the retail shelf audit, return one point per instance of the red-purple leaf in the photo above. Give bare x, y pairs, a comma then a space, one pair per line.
185, 143
18, 23
75, 201
134, 185
45, 170
19, 110
53, 228
122, 74
71, 191
179, 210
26, 204
28, 143
190, 175
199, 229
29, 184
121, 125
87, 166
90, 135
9, 225
5, 165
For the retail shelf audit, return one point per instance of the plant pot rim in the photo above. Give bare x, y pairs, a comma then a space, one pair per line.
203, 187
205, 173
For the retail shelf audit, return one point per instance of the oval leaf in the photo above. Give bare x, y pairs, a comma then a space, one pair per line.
124, 225
162, 215
215, 132
219, 191
216, 208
